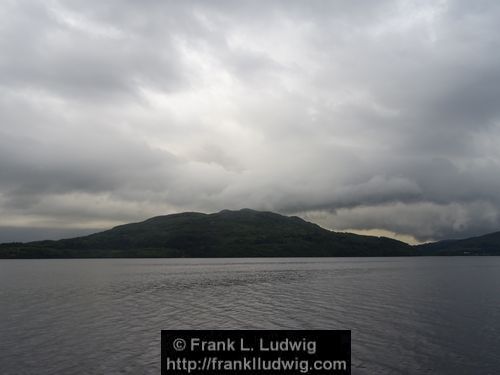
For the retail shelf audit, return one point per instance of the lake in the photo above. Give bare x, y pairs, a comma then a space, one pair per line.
425, 315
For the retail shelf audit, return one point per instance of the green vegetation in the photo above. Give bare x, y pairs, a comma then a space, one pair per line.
244, 233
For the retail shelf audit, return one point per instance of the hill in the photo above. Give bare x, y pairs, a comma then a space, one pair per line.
243, 233
488, 244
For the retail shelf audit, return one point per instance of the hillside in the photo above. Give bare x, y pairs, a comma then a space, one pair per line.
488, 244
243, 233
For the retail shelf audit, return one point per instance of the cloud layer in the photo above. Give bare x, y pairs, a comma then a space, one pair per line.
380, 116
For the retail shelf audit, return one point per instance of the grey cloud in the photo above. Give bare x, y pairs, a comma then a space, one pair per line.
58, 51
423, 221
379, 116
17, 234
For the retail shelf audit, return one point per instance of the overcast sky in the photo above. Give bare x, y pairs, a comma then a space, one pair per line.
367, 116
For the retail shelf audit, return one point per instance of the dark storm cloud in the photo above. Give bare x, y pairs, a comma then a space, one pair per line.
360, 116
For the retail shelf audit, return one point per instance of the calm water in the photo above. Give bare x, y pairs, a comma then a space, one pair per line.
407, 315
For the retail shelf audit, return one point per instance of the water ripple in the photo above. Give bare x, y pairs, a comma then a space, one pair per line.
407, 315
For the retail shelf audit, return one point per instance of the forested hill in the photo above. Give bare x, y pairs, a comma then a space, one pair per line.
488, 244
243, 233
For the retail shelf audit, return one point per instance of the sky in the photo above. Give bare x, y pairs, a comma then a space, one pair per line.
377, 117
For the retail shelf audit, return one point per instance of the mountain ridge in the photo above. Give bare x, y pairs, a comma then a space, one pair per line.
239, 233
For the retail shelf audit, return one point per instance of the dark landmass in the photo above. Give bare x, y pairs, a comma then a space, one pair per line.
488, 244
243, 233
